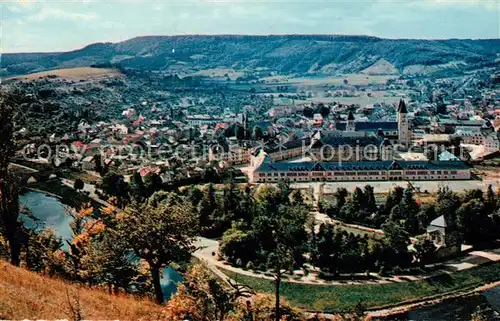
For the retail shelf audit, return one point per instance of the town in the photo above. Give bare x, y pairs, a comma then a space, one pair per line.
227, 177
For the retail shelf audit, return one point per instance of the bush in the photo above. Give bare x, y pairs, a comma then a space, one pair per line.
78, 184
250, 265
382, 271
397, 271
239, 262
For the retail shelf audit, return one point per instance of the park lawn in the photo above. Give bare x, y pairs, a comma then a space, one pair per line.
344, 298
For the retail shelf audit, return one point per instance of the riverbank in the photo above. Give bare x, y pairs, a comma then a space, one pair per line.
397, 310
341, 299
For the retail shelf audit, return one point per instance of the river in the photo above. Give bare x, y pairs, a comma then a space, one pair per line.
459, 309
52, 214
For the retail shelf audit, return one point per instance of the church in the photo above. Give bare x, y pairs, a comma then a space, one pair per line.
368, 140
398, 132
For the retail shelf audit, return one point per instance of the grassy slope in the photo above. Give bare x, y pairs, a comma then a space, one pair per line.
27, 295
72, 73
345, 297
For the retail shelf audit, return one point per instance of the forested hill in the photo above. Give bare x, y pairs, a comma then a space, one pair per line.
313, 54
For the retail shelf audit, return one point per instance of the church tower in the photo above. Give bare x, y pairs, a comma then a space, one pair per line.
403, 125
350, 122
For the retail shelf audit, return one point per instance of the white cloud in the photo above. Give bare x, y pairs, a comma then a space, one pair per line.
489, 4
59, 14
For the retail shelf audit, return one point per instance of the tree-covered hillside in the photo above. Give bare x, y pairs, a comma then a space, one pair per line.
314, 54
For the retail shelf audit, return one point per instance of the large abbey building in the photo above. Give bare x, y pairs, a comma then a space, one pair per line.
355, 151
264, 170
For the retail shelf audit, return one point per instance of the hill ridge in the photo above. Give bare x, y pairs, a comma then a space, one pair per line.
285, 54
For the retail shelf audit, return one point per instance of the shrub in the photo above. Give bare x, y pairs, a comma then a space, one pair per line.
250, 265
397, 270
78, 184
382, 270
239, 262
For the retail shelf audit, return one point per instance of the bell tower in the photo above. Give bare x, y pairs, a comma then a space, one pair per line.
403, 125
350, 122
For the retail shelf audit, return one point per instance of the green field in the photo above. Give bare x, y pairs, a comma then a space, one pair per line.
353, 79
344, 298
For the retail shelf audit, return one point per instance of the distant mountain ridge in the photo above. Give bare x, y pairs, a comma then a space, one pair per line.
286, 54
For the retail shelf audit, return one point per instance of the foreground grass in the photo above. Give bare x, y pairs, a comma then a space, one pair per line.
344, 298
27, 295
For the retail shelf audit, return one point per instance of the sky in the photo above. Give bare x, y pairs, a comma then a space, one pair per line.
52, 25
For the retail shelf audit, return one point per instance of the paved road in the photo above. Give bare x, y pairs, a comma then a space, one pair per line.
382, 187
91, 189
32, 170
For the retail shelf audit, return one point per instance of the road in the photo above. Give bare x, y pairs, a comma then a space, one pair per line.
383, 187
91, 189
31, 170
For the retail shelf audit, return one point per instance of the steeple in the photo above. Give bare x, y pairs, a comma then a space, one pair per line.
350, 122
402, 107
404, 133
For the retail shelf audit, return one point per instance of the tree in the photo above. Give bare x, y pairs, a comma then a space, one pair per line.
98, 164
327, 250
323, 110
115, 185
359, 199
394, 198
207, 207
479, 314
279, 230
441, 109
9, 185
279, 261
152, 183
78, 185
340, 197
137, 189
410, 210
473, 222
426, 214
425, 251
214, 300
41, 252
491, 200
397, 240
308, 112
430, 153
237, 243
257, 133
160, 233
371, 203
240, 132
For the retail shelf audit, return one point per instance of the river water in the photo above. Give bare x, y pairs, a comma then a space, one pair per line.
456, 309
50, 213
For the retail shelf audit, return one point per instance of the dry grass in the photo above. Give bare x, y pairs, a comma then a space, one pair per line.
27, 295
72, 74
